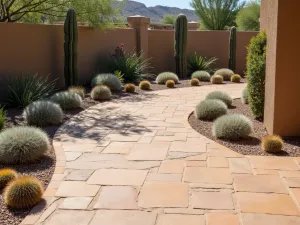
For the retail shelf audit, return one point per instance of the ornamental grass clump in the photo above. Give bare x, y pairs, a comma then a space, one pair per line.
232, 127
67, 100
6, 176
201, 76
164, 77
78, 90
210, 109
235, 78
220, 95
245, 96
170, 84
196, 63
225, 73
109, 80
195, 82
272, 144
19, 145
216, 79
145, 85
2, 118
129, 88
43, 113
23, 192
101, 92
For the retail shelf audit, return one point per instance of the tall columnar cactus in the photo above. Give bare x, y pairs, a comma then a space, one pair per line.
181, 28
70, 47
232, 49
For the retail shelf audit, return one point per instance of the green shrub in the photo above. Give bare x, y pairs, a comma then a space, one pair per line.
109, 80
119, 75
210, 109
248, 18
78, 90
170, 83
25, 89
201, 75
2, 118
101, 92
22, 145
43, 113
130, 88
131, 65
6, 176
245, 96
67, 100
272, 144
216, 79
23, 192
195, 82
225, 73
196, 63
235, 78
145, 85
256, 73
232, 127
164, 77
220, 95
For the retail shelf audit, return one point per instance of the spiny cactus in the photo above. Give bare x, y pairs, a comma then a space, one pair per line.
201, 75
195, 82
162, 78
23, 192
272, 144
170, 83
109, 80
220, 95
245, 96
67, 100
130, 88
145, 85
232, 49
101, 92
210, 109
70, 47
6, 176
181, 28
235, 78
216, 79
78, 90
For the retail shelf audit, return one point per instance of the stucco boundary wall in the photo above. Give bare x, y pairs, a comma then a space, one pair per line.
38, 49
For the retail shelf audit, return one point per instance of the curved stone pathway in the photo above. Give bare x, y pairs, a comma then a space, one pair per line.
137, 161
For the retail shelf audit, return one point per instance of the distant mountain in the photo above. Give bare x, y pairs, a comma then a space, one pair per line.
155, 13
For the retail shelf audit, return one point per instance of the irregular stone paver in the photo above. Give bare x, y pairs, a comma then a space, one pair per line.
138, 157
293, 182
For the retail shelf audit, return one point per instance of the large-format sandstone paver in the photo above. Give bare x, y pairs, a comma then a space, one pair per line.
135, 160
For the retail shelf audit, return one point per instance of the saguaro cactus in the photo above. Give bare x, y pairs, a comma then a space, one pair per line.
70, 47
232, 49
180, 45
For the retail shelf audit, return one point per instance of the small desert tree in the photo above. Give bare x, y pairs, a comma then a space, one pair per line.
169, 19
248, 17
217, 14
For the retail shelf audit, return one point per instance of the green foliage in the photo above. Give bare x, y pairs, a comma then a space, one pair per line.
232, 49
109, 80
28, 88
101, 92
67, 100
199, 63
120, 75
2, 118
6, 176
169, 19
245, 96
256, 73
248, 18
162, 78
201, 76
145, 85
216, 79
232, 127
170, 83
23, 192
225, 73
220, 95
195, 82
235, 78
210, 109
181, 30
22, 145
78, 90
217, 14
130, 88
131, 65
70, 48
272, 144
43, 113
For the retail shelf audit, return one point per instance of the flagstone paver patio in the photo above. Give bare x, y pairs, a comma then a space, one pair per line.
137, 161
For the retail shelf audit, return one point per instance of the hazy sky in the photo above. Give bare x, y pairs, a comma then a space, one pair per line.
174, 3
